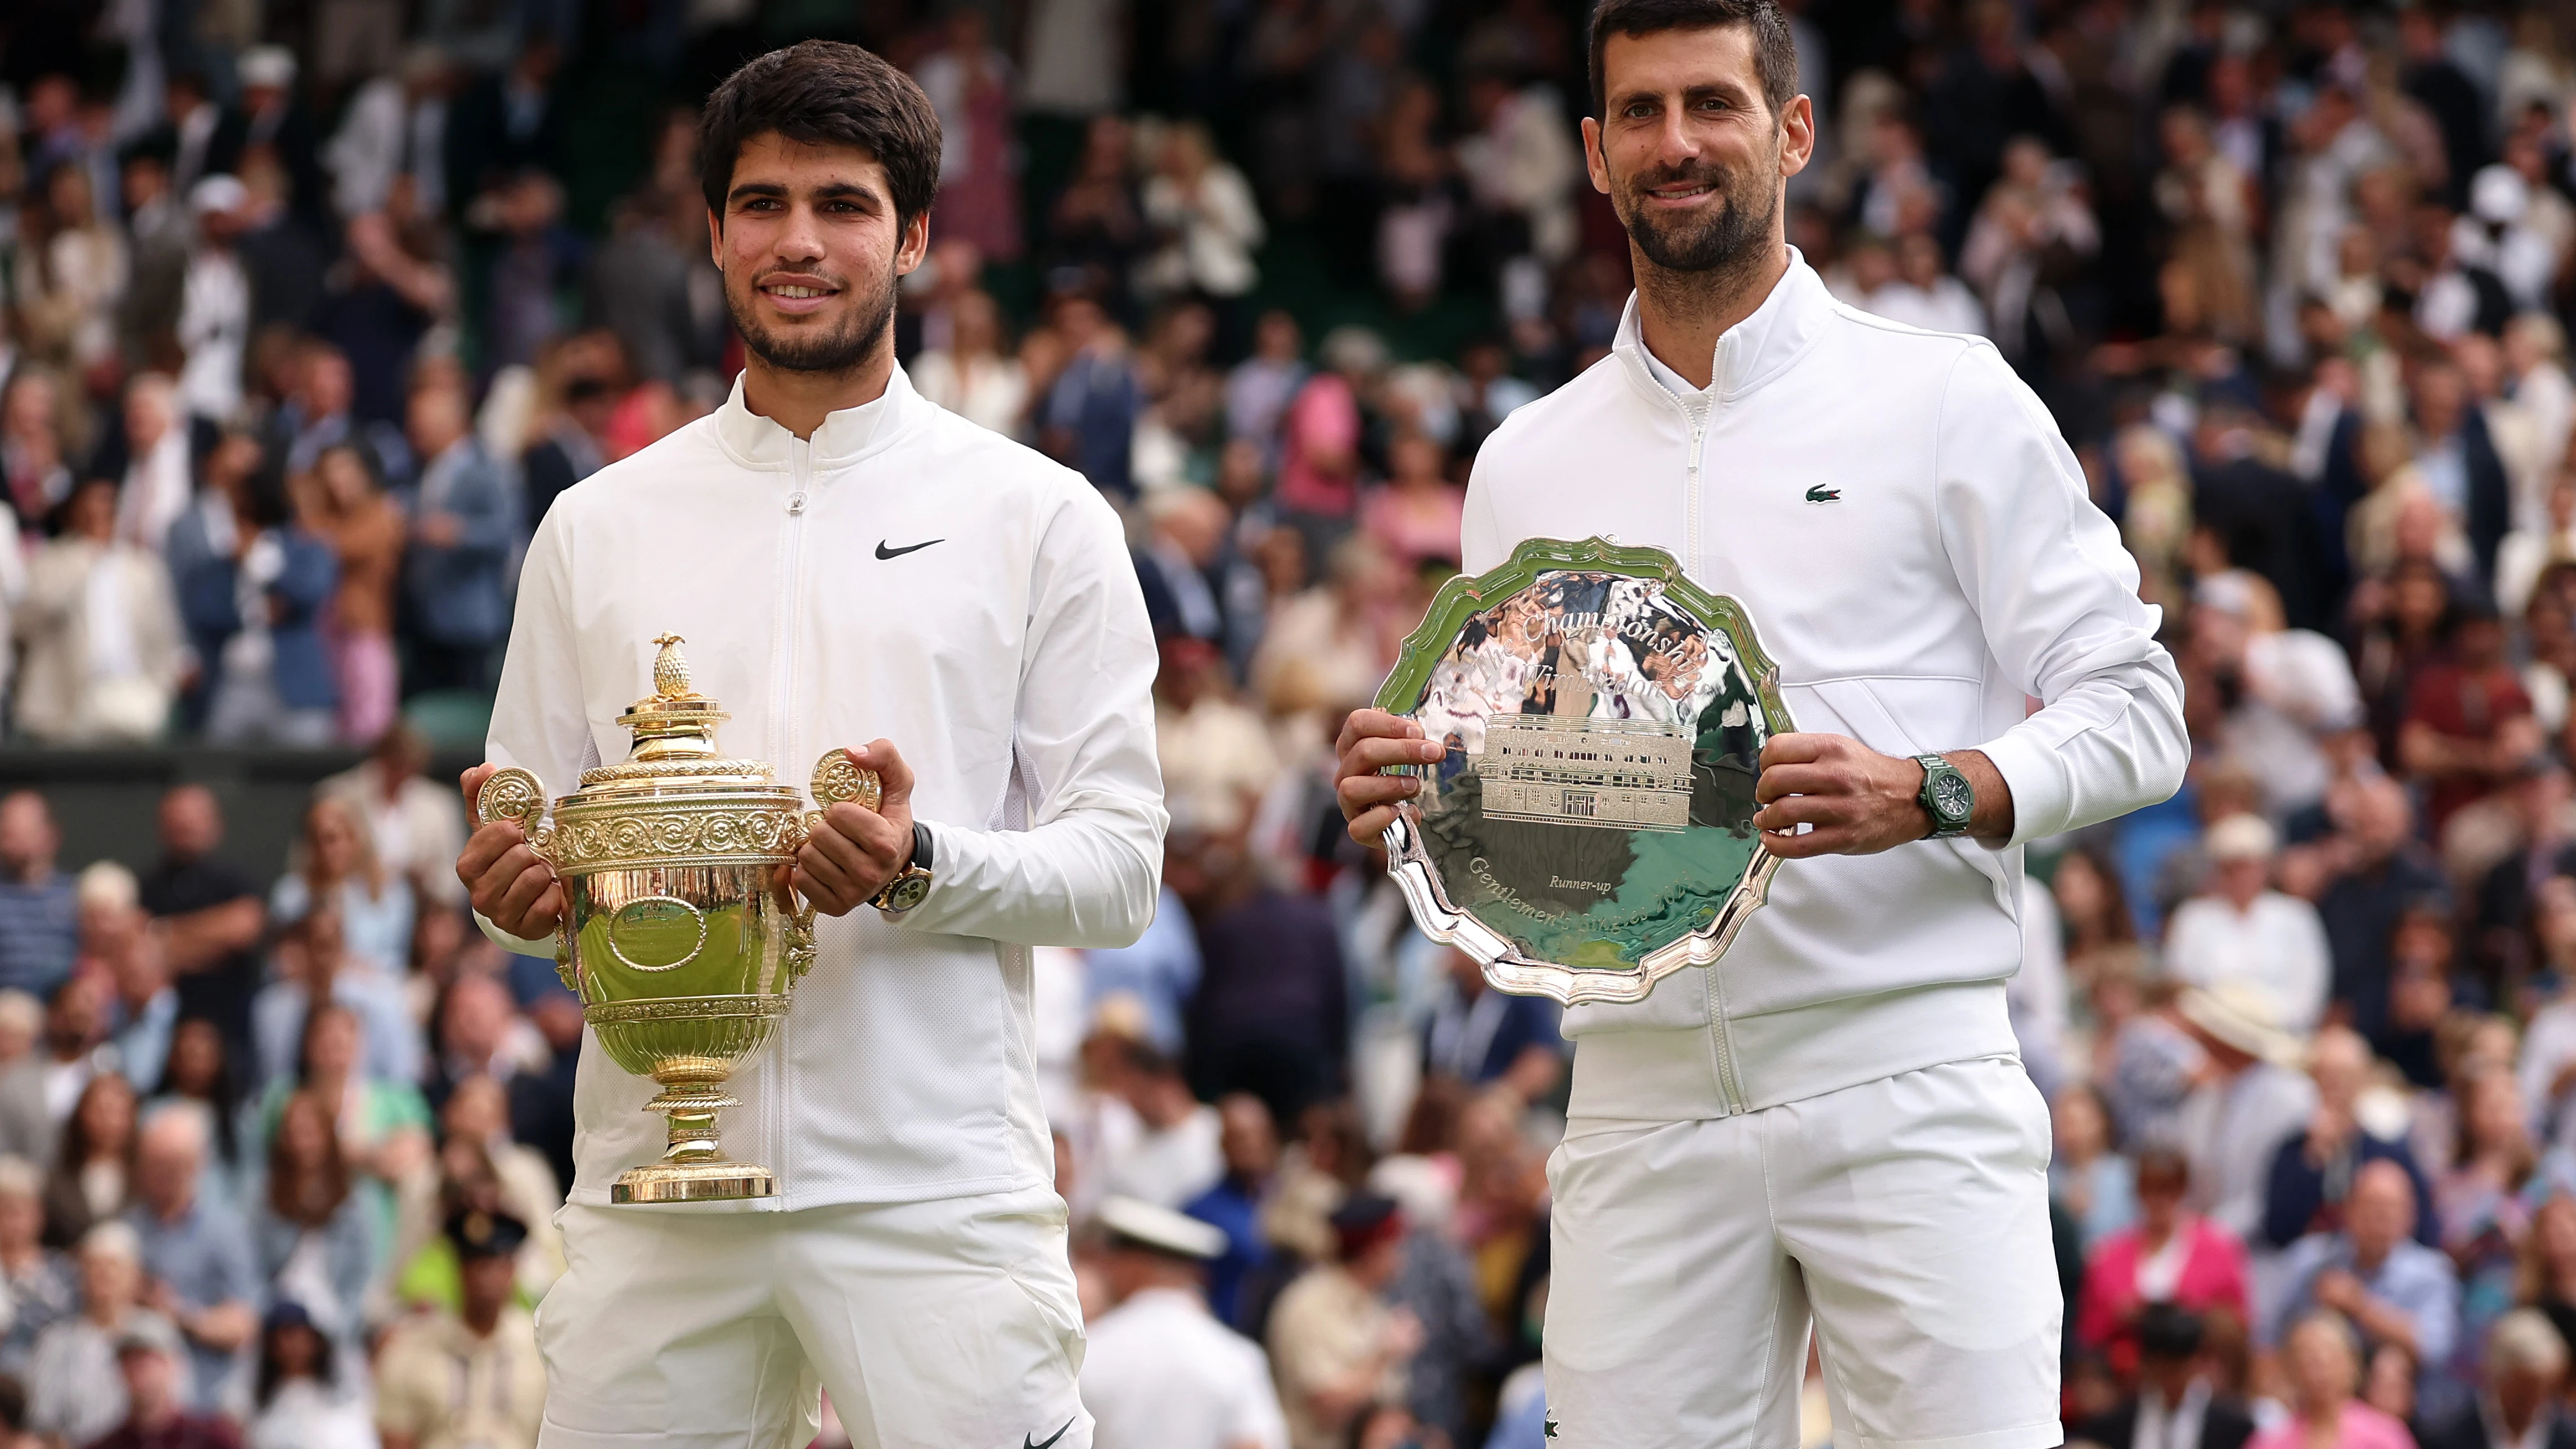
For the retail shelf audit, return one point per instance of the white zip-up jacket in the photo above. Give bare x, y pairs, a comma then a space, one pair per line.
1913, 541
1003, 649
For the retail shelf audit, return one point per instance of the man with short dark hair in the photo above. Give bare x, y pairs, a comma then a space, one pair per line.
847, 563
1829, 1127
210, 914
2174, 1407
39, 912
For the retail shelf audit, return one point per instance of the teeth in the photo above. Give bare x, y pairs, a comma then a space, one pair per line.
798, 292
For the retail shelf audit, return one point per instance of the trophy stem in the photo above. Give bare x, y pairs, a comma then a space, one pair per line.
693, 1167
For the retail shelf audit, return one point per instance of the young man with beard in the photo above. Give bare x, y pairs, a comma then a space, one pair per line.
848, 563
1830, 1125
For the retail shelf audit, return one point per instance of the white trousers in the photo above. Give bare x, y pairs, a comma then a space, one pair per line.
1907, 1218
935, 1325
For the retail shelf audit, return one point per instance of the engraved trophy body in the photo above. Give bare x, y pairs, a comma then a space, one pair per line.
679, 934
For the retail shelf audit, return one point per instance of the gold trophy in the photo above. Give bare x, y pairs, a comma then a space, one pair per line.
680, 934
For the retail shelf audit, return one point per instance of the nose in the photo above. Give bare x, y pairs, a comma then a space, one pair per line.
801, 239
1675, 142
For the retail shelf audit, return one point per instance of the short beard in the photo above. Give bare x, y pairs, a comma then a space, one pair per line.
842, 351
1725, 242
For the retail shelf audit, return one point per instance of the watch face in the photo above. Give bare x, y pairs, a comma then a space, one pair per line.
907, 893
1952, 798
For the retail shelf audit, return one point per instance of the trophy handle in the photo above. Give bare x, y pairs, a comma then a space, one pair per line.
515, 794
838, 776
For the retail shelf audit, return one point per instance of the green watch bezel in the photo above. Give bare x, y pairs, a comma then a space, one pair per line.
1944, 825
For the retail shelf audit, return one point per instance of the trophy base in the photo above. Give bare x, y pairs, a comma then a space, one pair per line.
692, 1182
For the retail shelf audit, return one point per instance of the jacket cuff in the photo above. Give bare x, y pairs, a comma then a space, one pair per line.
543, 946
2041, 792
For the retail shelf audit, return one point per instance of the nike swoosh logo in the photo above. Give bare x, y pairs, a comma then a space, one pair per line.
1025, 1442
885, 552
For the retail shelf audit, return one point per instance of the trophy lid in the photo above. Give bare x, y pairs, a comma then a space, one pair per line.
674, 731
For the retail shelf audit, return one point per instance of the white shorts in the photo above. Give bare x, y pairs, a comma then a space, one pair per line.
946, 1323
1908, 1216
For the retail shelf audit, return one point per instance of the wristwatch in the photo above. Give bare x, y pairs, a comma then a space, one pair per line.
1946, 796
912, 882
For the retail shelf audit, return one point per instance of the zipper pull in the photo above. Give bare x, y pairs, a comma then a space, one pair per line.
796, 503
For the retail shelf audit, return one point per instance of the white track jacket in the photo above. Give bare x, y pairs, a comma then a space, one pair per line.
1003, 648
1914, 543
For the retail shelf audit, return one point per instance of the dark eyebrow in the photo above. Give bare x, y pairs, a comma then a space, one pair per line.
828, 191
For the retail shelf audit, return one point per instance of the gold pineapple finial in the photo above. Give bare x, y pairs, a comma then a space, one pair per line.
671, 670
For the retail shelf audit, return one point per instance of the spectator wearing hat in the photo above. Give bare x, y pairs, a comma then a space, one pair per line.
2172, 1261
1335, 1342
2245, 931
468, 1377
2250, 1096
299, 1401
154, 1366
74, 1391
1161, 1372
2397, 1292
215, 301
2175, 1406
205, 1277
2518, 1405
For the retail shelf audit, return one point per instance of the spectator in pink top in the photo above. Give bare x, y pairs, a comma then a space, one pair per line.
2324, 1368
1415, 517
1319, 457
2170, 1256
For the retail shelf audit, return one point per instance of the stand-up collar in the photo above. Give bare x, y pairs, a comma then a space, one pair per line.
844, 437
1752, 351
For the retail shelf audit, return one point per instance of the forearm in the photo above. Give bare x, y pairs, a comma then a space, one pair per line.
1992, 820
2387, 1323
199, 939
1089, 879
2113, 743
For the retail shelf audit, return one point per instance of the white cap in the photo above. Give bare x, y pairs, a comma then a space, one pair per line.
2241, 837
2244, 1016
1161, 1229
2498, 194
267, 65
218, 193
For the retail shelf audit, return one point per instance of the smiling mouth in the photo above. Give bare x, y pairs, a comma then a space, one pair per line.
1686, 191
795, 291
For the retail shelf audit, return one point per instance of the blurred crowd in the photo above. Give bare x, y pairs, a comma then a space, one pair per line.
312, 306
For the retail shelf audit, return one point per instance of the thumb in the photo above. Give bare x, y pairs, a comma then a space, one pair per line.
472, 782
894, 777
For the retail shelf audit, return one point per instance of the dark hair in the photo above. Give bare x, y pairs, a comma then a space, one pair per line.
2168, 1332
308, 1196
1775, 50
824, 93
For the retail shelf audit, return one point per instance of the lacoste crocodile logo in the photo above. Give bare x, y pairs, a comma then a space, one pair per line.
1822, 494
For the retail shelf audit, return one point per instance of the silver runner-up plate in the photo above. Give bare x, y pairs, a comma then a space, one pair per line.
1591, 831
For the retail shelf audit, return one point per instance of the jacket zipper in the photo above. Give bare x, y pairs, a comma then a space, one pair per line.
782, 701
1702, 411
